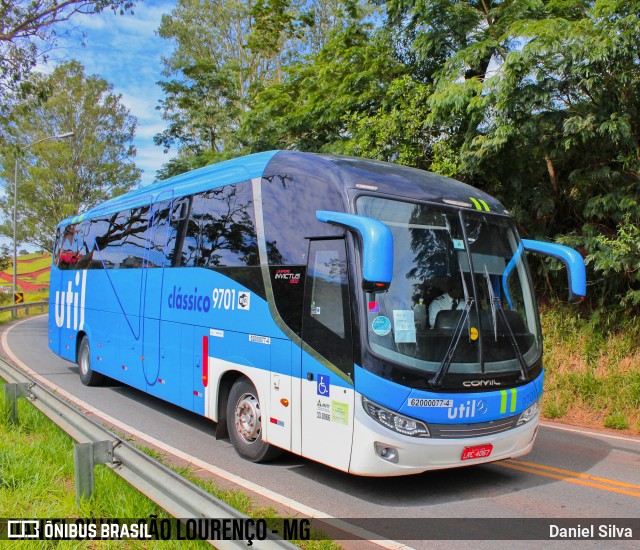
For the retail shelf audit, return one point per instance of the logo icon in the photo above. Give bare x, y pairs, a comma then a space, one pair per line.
323, 385
381, 325
470, 409
69, 304
244, 300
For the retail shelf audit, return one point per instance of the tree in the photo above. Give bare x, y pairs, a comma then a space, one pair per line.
226, 52
61, 178
538, 104
353, 97
27, 31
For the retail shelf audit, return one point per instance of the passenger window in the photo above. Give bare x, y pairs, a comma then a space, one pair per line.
221, 229
121, 238
68, 247
161, 231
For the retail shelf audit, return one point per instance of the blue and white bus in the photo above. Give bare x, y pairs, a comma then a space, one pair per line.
372, 317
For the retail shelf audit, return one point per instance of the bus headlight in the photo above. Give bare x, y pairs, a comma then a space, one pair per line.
394, 421
530, 413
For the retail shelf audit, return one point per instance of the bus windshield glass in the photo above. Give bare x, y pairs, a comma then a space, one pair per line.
461, 293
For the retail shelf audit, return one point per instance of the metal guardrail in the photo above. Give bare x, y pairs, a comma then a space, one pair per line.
172, 492
25, 306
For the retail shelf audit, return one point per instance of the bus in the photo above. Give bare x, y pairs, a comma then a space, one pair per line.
372, 317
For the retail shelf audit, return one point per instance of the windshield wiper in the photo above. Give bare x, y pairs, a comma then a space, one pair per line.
496, 309
436, 381
524, 376
493, 302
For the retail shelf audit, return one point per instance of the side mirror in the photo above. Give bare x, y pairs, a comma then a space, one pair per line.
571, 259
377, 247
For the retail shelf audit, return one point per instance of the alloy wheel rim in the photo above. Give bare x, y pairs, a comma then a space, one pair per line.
247, 418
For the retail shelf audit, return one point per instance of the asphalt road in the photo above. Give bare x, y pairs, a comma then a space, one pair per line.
572, 476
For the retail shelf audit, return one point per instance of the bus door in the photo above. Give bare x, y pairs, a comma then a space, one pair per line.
174, 381
155, 262
327, 396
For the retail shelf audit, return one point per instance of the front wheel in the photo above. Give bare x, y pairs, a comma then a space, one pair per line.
87, 376
244, 422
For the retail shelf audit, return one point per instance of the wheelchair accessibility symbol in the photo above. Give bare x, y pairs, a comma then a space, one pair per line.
323, 385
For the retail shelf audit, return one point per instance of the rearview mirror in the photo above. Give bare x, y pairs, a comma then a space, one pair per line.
572, 260
377, 247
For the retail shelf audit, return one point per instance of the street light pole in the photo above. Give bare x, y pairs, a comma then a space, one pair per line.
15, 206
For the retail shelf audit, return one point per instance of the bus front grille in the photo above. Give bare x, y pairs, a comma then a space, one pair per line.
478, 429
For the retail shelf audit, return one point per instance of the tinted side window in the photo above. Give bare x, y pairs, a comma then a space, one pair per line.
121, 238
73, 246
160, 234
179, 228
290, 202
133, 248
57, 245
67, 248
221, 229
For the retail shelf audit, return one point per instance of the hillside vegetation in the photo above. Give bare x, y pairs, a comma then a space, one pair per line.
592, 375
33, 277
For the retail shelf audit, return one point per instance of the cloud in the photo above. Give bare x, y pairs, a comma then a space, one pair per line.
126, 51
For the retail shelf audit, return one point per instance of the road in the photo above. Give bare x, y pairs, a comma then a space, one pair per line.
572, 473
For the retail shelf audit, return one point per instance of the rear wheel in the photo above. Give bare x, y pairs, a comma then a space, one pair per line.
244, 422
87, 376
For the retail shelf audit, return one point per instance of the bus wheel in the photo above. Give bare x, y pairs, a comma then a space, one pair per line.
244, 422
87, 376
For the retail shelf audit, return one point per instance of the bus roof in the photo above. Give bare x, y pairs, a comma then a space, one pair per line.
347, 172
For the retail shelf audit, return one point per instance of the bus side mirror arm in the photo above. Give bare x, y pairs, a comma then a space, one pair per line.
377, 247
571, 259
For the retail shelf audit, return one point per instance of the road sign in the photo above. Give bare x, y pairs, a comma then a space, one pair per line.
18, 297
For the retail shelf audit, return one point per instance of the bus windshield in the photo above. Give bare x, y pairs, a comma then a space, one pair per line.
461, 293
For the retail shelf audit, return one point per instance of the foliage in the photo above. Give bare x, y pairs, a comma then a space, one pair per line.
6, 258
591, 376
355, 68
619, 257
63, 177
27, 31
225, 52
538, 103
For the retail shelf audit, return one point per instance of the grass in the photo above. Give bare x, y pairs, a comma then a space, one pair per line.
35, 296
30, 263
592, 376
29, 268
37, 481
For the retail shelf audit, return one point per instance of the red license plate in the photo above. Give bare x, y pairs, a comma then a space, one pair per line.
479, 451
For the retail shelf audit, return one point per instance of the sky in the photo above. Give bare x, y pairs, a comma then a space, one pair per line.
126, 51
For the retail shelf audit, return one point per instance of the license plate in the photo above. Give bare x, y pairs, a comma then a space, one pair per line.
479, 451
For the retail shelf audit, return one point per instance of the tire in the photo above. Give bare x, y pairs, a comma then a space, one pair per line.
244, 422
87, 376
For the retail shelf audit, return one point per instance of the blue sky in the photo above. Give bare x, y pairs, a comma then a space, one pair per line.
126, 51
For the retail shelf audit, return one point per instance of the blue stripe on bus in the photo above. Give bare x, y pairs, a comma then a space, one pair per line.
384, 392
468, 408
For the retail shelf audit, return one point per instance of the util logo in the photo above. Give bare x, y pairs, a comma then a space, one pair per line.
468, 409
70, 303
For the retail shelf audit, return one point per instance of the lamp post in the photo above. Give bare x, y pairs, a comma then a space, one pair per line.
15, 206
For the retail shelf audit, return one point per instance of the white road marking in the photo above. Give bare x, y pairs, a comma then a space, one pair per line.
250, 486
588, 432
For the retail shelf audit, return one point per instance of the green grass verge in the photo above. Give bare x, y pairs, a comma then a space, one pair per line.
29, 297
593, 376
37, 481
38, 262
